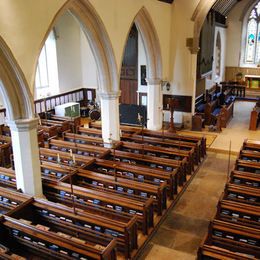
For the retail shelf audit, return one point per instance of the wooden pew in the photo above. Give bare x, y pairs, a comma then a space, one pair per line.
77, 148
93, 221
242, 194
54, 172
104, 200
50, 155
11, 200
50, 245
169, 153
247, 166
7, 178
233, 237
48, 131
149, 161
124, 128
249, 155
92, 132
238, 213
74, 121
246, 179
213, 252
62, 220
199, 141
252, 145
158, 142
125, 187
137, 173
83, 139
254, 118
62, 126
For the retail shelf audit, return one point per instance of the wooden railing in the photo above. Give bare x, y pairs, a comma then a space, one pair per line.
81, 95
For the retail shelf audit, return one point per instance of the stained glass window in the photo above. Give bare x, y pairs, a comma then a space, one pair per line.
253, 36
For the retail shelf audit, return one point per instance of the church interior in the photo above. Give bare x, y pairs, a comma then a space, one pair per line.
130, 129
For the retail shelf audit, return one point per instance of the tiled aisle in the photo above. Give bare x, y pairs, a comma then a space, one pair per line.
237, 129
181, 233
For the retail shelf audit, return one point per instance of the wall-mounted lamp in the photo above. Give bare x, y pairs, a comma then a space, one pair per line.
166, 84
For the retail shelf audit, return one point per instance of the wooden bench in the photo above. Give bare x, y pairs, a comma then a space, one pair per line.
37, 242
95, 222
252, 145
234, 237
53, 172
158, 142
74, 121
102, 199
83, 139
49, 131
85, 226
199, 141
62, 126
65, 158
161, 164
11, 200
137, 173
167, 153
7, 178
248, 155
246, 179
213, 252
242, 194
125, 187
254, 118
247, 166
81, 149
238, 213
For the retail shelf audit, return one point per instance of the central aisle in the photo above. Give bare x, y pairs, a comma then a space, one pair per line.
181, 233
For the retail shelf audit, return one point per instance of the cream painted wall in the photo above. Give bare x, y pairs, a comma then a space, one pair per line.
68, 53
183, 73
119, 15
234, 31
23, 26
88, 64
17, 18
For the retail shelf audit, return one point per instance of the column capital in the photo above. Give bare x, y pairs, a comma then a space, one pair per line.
109, 95
22, 125
153, 81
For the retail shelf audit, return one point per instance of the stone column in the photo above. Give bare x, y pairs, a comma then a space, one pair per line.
26, 156
110, 116
154, 104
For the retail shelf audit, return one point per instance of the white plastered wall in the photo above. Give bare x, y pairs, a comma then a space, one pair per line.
234, 34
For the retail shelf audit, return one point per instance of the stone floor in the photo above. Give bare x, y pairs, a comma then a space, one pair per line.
180, 235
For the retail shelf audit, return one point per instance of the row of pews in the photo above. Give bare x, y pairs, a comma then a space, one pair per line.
102, 203
255, 116
235, 233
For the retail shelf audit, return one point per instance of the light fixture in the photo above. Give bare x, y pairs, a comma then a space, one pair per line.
166, 84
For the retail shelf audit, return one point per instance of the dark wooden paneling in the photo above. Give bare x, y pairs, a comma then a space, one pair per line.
128, 91
183, 103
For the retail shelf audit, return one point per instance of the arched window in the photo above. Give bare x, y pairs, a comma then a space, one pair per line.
253, 36
46, 80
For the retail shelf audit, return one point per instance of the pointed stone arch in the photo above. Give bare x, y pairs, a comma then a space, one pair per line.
146, 28
98, 39
14, 88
